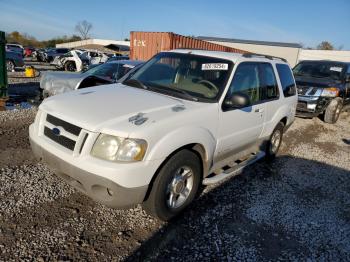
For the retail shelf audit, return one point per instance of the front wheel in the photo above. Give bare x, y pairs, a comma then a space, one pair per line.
175, 186
10, 66
331, 115
273, 145
70, 66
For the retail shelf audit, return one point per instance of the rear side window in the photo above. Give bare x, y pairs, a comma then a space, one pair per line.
269, 83
287, 80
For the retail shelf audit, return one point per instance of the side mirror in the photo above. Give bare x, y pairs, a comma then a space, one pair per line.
237, 100
290, 91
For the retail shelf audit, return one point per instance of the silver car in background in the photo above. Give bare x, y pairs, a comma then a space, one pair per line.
53, 83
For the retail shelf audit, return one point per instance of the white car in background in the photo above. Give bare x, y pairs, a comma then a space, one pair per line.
185, 118
77, 60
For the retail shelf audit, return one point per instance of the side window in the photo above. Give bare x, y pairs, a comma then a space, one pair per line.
269, 84
246, 80
287, 80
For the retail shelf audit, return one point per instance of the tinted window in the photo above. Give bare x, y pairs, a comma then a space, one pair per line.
269, 83
348, 72
287, 80
246, 80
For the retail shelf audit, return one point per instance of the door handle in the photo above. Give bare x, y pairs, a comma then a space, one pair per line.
259, 110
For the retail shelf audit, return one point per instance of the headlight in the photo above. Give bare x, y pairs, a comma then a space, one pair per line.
115, 148
330, 92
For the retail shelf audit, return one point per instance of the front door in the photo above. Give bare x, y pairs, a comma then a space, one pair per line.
240, 129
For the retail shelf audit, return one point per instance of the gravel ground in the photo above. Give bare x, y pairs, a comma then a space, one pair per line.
297, 208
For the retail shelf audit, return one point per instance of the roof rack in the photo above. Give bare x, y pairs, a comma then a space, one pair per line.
266, 56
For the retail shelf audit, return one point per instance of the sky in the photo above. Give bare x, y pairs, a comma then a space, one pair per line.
308, 22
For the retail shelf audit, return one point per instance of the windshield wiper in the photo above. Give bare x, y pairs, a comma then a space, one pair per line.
135, 83
185, 93
176, 89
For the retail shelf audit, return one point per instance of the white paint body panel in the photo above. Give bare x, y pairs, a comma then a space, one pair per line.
107, 109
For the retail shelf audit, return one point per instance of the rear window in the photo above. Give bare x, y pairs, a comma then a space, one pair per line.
287, 80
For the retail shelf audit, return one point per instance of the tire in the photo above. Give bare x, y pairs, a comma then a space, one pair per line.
275, 141
10, 66
70, 66
332, 112
171, 183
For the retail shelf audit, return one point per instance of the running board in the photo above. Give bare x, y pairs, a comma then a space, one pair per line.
234, 170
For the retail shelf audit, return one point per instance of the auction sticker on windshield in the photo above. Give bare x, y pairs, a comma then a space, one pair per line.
336, 68
215, 66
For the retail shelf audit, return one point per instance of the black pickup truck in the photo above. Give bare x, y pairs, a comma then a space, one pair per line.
323, 88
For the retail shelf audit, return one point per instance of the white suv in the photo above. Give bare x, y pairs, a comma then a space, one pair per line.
184, 118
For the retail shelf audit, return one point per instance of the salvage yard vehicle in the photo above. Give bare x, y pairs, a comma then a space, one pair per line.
53, 83
15, 48
79, 60
323, 88
70, 61
13, 60
185, 118
50, 54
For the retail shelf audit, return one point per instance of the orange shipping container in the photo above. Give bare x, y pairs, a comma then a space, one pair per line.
144, 45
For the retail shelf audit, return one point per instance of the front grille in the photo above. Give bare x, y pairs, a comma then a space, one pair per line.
75, 130
62, 140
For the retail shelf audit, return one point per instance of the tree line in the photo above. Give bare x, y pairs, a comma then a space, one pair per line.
82, 28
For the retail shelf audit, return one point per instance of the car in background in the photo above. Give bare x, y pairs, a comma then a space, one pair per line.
116, 58
39, 54
51, 53
15, 48
53, 83
323, 88
28, 51
13, 60
79, 60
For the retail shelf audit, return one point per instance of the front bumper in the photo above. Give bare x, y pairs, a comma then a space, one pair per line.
96, 187
112, 184
311, 106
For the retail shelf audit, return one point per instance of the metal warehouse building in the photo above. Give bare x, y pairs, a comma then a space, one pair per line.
289, 51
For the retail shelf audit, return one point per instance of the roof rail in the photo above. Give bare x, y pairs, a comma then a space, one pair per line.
266, 56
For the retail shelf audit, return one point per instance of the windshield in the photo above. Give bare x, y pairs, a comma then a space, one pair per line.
109, 70
188, 76
320, 70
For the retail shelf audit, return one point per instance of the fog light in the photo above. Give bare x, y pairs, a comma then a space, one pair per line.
110, 191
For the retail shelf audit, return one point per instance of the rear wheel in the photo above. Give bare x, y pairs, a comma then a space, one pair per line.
175, 186
70, 66
275, 141
331, 115
10, 66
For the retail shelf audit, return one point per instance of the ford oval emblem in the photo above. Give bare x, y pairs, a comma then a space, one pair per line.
56, 131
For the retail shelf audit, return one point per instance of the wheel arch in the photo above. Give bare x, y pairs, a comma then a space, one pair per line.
196, 148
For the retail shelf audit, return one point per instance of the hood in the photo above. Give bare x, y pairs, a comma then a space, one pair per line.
110, 107
59, 82
305, 81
